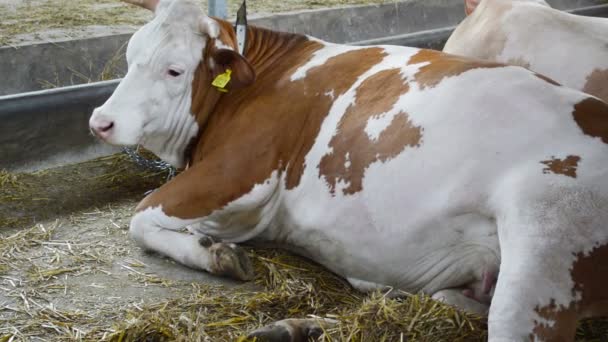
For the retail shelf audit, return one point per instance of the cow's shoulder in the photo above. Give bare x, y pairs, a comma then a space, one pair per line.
374, 128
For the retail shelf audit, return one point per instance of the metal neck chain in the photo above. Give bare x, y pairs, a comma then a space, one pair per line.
151, 164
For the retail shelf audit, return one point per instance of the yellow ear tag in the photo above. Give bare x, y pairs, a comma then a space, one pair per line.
221, 81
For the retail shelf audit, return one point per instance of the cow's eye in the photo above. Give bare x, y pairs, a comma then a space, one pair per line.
174, 72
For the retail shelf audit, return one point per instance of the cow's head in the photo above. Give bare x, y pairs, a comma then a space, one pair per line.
152, 105
470, 5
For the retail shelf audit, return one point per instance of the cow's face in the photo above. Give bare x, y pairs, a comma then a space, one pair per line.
152, 104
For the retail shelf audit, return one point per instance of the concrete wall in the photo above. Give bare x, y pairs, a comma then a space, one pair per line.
45, 65
68, 62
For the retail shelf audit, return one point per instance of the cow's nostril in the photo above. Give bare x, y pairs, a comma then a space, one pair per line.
101, 128
107, 127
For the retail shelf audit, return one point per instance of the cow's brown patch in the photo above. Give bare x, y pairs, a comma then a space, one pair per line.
597, 84
352, 149
562, 326
590, 276
349, 66
270, 126
566, 167
591, 115
441, 65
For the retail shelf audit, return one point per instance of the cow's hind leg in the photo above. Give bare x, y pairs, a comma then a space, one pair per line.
543, 286
474, 297
292, 330
533, 297
157, 232
457, 298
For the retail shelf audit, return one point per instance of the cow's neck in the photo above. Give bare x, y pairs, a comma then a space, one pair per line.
204, 101
262, 134
264, 48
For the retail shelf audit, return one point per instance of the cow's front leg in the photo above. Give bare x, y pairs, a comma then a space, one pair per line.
158, 232
210, 197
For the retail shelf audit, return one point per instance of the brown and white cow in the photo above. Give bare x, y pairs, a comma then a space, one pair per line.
571, 49
392, 166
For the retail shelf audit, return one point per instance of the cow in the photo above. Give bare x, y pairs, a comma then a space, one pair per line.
475, 182
570, 49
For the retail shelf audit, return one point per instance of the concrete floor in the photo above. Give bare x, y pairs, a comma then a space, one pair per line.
100, 273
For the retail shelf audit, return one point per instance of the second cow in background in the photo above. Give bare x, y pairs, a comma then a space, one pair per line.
571, 49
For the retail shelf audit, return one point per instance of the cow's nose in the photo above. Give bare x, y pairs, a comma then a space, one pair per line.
101, 127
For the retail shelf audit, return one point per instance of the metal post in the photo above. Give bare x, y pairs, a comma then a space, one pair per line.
218, 8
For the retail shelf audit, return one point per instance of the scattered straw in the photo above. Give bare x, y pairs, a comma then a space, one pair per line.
294, 287
412, 318
285, 286
7, 178
11, 245
298, 288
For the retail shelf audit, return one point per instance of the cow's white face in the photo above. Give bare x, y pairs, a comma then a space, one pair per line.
151, 106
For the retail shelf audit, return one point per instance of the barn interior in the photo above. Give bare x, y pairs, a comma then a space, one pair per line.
68, 270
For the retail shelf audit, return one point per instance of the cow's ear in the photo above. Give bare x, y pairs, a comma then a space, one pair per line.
470, 5
241, 72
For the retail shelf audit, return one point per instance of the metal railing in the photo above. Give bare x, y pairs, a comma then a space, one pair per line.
218, 8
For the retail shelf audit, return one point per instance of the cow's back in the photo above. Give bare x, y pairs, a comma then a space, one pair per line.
571, 49
426, 158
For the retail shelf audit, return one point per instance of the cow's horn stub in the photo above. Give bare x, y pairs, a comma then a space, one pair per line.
147, 4
209, 27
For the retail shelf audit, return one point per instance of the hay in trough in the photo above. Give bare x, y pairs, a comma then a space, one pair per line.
26, 198
72, 274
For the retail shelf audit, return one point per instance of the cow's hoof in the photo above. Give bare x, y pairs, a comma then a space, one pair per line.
230, 260
288, 330
206, 241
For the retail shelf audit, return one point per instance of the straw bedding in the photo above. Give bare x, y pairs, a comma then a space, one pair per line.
69, 272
